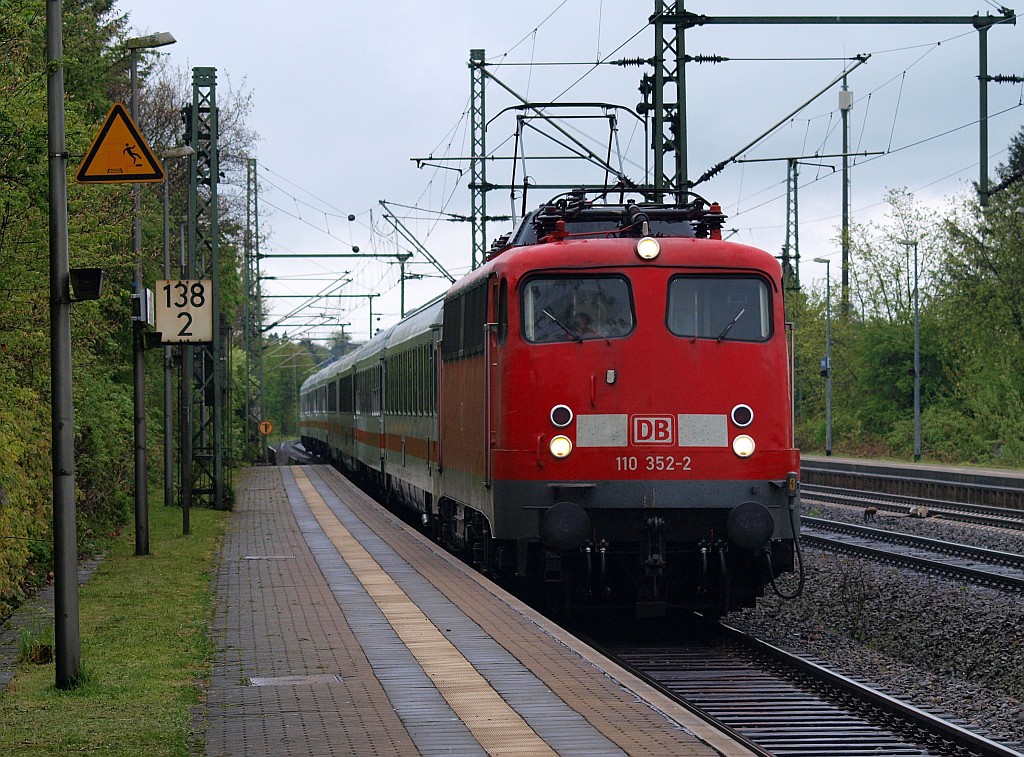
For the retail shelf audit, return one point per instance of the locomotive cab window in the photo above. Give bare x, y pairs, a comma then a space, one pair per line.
576, 308
726, 308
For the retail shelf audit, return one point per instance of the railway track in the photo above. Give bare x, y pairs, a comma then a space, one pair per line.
986, 566
995, 488
790, 705
986, 515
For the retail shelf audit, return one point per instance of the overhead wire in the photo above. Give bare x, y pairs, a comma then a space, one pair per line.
440, 191
901, 76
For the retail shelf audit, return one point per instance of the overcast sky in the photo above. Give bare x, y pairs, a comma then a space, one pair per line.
346, 94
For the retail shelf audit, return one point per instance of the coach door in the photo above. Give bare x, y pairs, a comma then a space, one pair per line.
379, 408
466, 346
496, 332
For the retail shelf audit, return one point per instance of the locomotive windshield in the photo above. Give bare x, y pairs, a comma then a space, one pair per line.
575, 308
736, 308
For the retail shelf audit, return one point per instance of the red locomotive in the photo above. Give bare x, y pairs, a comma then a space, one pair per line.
603, 408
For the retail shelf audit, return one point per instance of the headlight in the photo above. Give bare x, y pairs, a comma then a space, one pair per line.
743, 445
560, 446
648, 248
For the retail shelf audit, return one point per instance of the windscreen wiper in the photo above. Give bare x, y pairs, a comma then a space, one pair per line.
564, 328
731, 324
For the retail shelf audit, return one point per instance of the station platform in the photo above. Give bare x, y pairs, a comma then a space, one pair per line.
341, 631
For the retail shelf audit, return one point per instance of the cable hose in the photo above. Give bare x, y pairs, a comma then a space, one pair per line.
723, 564
799, 562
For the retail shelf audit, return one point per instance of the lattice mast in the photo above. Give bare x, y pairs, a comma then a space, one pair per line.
207, 365
252, 326
478, 157
669, 133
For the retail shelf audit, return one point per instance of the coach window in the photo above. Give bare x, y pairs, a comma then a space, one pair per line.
574, 308
726, 308
421, 377
362, 393
376, 400
345, 404
465, 315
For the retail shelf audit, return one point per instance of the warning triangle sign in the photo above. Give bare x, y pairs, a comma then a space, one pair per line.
119, 153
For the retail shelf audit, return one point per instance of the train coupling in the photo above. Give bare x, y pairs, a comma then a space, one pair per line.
653, 558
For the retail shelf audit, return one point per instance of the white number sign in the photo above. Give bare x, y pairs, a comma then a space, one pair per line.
184, 310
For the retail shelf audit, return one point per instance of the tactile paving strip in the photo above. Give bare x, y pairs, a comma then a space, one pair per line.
502, 705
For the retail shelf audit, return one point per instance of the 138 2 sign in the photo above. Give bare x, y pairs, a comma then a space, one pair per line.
184, 310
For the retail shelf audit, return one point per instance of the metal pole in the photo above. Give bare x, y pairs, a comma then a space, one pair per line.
845, 104
828, 359
138, 348
917, 368
185, 380
180, 152
917, 355
185, 434
828, 353
168, 366
67, 646
402, 257
983, 114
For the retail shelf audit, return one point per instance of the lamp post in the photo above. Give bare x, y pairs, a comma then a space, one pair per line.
826, 369
176, 152
917, 357
66, 637
139, 326
402, 257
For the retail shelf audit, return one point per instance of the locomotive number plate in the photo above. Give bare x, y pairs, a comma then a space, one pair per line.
653, 463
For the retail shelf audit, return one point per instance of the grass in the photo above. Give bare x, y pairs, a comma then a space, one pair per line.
144, 651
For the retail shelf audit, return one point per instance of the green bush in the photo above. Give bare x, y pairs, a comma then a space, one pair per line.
24, 489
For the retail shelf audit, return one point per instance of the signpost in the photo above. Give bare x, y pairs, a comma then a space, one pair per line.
119, 153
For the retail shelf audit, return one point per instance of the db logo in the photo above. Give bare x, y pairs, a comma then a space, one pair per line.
653, 429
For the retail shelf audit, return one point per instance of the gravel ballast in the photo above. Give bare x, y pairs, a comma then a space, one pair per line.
933, 641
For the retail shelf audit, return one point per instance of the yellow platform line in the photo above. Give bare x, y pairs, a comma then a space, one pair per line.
499, 729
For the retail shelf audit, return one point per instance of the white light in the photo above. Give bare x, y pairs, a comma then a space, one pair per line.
560, 446
648, 248
743, 445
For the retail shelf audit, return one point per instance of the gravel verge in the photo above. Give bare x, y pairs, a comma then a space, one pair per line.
929, 640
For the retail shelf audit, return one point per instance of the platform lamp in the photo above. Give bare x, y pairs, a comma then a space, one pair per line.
86, 284
826, 365
139, 326
917, 357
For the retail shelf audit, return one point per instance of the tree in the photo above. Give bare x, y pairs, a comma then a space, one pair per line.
1014, 166
982, 318
101, 413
